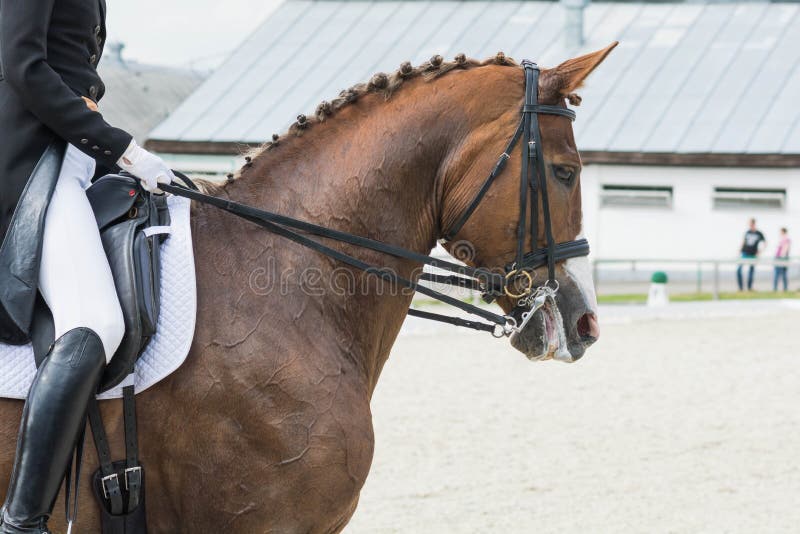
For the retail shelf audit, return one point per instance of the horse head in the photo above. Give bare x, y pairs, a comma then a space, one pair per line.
564, 325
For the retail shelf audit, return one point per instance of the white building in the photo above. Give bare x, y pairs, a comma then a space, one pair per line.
690, 127
683, 212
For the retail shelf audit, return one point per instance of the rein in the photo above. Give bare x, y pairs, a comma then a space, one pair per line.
281, 224
533, 180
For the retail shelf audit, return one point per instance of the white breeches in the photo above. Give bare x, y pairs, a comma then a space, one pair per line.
75, 278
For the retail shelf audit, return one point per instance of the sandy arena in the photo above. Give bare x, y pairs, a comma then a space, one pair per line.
684, 420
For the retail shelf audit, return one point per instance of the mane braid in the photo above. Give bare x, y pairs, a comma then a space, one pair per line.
380, 83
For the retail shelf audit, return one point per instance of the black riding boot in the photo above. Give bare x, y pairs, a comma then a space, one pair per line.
52, 420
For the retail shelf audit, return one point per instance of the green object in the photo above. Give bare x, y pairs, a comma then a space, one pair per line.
659, 277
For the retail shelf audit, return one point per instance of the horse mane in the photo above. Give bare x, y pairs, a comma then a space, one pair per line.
381, 83
387, 84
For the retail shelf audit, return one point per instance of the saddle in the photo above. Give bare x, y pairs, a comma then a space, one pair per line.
133, 224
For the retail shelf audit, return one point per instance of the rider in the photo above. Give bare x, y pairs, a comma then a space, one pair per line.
49, 89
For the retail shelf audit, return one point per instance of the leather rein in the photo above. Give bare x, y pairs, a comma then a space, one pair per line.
491, 284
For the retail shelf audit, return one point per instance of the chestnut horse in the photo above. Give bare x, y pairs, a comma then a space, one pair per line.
267, 426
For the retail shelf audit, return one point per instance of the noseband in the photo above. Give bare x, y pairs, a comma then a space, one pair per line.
533, 181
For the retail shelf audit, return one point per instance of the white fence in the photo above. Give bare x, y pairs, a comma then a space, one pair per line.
630, 275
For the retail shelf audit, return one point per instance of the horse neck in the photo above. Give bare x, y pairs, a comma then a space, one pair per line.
372, 170
375, 170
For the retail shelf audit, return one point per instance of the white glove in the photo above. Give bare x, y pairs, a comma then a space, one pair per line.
147, 167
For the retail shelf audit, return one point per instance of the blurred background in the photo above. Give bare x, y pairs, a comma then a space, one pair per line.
683, 417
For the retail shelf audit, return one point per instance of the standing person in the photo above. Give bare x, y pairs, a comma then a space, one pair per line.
751, 246
49, 89
782, 253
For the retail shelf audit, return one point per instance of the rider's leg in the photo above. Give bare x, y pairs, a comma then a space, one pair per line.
77, 284
75, 278
54, 414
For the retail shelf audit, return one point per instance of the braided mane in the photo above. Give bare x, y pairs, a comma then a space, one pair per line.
381, 83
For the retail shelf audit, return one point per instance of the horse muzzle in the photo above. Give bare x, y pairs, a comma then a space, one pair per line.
564, 326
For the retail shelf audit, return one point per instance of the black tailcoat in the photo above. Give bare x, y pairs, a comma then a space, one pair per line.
49, 50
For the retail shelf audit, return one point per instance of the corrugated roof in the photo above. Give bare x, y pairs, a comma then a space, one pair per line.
686, 78
138, 96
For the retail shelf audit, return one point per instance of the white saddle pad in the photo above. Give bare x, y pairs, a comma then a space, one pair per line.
168, 349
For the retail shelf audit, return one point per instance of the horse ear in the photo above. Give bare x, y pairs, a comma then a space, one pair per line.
571, 74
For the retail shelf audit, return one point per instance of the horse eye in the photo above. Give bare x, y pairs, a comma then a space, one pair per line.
565, 174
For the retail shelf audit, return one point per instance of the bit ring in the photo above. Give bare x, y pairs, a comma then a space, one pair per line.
527, 290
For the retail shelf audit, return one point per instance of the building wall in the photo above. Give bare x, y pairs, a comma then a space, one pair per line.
209, 166
692, 228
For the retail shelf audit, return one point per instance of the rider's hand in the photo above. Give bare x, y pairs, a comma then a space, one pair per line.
91, 104
148, 167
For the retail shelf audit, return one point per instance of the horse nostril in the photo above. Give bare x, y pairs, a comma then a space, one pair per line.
588, 327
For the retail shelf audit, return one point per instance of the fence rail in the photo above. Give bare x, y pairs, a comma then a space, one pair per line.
698, 265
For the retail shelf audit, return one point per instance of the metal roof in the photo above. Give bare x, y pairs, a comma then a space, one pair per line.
138, 97
686, 78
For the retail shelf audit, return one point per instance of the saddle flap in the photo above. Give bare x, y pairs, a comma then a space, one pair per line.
132, 225
112, 198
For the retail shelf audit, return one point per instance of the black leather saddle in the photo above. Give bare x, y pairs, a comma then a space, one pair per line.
133, 223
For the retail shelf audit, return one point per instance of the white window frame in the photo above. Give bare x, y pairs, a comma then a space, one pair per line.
646, 194
748, 199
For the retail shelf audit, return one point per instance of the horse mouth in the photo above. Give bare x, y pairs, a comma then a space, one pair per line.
546, 338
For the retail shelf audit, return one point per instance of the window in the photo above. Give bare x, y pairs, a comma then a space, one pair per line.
737, 198
634, 196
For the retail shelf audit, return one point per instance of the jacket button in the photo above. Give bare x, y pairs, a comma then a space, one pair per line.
107, 152
93, 91
84, 141
95, 147
97, 30
93, 59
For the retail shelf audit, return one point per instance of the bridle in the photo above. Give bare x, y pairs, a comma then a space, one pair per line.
533, 181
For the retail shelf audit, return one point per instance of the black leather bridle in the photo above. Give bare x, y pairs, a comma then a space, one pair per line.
533, 181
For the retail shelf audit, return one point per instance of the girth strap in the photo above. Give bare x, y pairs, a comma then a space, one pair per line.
112, 490
133, 471
132, 475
